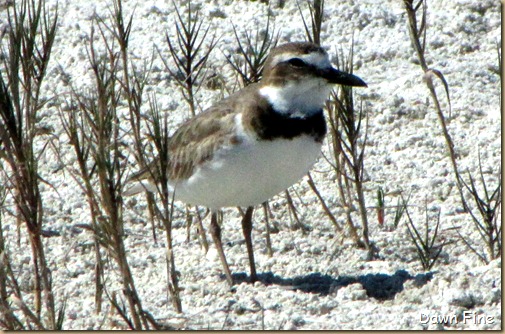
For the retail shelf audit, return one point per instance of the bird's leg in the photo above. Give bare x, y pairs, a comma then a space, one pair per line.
247, 229
215, 231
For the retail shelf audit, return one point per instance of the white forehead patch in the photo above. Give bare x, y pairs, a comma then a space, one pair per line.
317, 59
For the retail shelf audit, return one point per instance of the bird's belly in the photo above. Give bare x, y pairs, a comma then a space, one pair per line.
249, 173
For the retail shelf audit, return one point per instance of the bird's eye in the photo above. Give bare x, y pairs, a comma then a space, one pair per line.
296, 62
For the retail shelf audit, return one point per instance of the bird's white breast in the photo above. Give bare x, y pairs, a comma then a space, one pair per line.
249, 173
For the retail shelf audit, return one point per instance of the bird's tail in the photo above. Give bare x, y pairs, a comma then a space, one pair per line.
142, 180
138, 187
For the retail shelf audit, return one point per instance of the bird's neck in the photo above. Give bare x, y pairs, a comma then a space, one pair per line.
298, 99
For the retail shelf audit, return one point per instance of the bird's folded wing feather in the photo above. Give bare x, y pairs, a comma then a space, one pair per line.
192, 144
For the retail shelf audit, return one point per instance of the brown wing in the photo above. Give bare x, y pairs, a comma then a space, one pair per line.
198, 138
193, 143
196, 141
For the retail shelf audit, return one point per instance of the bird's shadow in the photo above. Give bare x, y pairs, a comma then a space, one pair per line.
379, 286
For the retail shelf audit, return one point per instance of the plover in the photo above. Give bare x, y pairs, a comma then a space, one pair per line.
254, 144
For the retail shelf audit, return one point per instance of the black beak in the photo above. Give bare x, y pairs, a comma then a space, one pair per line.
342, 78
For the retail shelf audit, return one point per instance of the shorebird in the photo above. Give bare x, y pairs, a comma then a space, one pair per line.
255, 143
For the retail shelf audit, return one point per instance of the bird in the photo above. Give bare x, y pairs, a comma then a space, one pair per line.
255, 143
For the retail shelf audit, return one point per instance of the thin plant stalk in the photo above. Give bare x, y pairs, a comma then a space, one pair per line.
100, 133
133, 82
31, 35
417, 30
316, 10
159, 132
346, 129
188, 53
